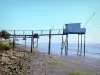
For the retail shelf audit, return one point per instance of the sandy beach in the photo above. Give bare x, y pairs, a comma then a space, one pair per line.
38, 63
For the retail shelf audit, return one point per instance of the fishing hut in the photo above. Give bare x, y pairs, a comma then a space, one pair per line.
71, 28
74, 28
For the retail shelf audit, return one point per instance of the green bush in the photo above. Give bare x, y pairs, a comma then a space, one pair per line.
5, 46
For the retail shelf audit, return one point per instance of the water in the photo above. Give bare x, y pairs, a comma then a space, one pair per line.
92, 50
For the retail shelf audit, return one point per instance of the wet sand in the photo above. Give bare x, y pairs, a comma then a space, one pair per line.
61, 65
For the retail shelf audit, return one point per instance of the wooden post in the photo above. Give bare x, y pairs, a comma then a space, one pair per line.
41, 31
24, 36
59, 31
78, 46
14, 40
33, 38
66, 45
25, 41
81, 46
49, 47
84, 44
32, 42
62, 45
37, 43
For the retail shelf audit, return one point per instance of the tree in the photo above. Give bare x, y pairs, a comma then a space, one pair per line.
4, 34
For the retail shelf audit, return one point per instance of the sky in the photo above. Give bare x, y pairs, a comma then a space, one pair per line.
44, 14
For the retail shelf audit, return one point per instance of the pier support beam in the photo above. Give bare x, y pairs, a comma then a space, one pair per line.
32, 38
49, 47
25, 41
62, 46
78, 46
37, 43
66, 45
14, 40
81, 46
24, 38
84, 44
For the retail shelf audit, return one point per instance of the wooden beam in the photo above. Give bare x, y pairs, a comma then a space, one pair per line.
49, 47
81, 46
25, 41
41, 31
32, 42
84, 44
14, 40
24, 37
62, 46
66, 45
59, 31
37, 43
78, 46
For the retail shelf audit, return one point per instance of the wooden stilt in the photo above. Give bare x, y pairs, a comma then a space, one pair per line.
41, 31
62, 45
78, 46
49, 47
59, 31
66, 45
14, 40
81, 45
32, 42
25, 41
24, 36
84, 44
37, 43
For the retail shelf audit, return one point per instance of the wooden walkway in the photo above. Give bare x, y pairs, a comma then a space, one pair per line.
48, 33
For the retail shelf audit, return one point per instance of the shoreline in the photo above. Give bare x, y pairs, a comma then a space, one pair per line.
42, 63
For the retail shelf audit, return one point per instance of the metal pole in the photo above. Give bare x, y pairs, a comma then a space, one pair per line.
49, 48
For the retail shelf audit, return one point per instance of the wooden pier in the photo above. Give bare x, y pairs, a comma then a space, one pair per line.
35, 35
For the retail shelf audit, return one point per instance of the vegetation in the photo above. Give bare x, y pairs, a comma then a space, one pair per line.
79, 73
5, 46
4, 34
57, 63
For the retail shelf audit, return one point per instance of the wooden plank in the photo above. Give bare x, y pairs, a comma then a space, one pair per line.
84, 44
49, 47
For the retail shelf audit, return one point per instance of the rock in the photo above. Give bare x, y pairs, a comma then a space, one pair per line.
5, 59
13, 57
